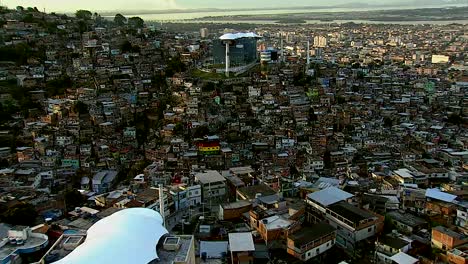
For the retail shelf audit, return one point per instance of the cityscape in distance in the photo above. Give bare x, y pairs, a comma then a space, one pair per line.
220, 132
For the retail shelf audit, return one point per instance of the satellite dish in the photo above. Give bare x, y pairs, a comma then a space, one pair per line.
363, 126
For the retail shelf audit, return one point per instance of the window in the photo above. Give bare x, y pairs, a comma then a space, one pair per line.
328, 244
308, 254
318, 250
369, 229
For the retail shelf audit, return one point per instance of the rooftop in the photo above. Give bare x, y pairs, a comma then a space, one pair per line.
393, 242
329, 196
60, 249
440, 195
236, 205
210, 176
276, 222
239, 242
350, 212
175, 256
449, 232
407, 219
214, 249
311, 233
33, 243
251, 191
403, 258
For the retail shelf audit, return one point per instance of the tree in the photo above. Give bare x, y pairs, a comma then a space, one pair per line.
136, 22
175, 65
455, 119
312, 115
201, 131
327, 159
208, 87
178, 129
120, 20
20, 214
126, 46
355, 88
388, 122
81, 108
73, 198
84, 14
340, 99
20, 8
388, 224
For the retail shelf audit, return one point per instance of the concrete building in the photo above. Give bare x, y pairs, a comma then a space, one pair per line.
320, 41
213, 185
352, 223
20, 240
204, 33
388, 246
446, 239
103, 180
194, 195
312, 241
242, 49
241, 246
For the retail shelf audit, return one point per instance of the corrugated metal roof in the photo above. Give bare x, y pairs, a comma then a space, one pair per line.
440, 195
329, 196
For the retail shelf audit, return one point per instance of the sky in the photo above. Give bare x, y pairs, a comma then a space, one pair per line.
110, 5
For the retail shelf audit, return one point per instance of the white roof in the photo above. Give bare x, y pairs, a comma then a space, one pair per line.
276, 222
209, 176
241, 242
233, 36
127, 236
213, 249
440, 195
403, 258
404, 173
329, 196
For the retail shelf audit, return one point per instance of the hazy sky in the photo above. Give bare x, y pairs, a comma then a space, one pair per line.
71, 5
100, 5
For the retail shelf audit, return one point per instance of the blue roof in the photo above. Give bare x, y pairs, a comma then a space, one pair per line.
329, 196
440, 195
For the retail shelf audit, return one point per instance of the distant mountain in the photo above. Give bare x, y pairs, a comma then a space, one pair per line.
399, 4
408, 3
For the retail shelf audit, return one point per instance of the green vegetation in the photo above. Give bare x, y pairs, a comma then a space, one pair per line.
84, 14
20, 214
80, 108
120, 20
208, 75
136, 22
175, 65
291, 21
126, 46
20, 53
455, 119
73, 198
58, 86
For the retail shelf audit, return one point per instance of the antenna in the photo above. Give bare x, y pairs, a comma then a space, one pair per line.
282, 52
